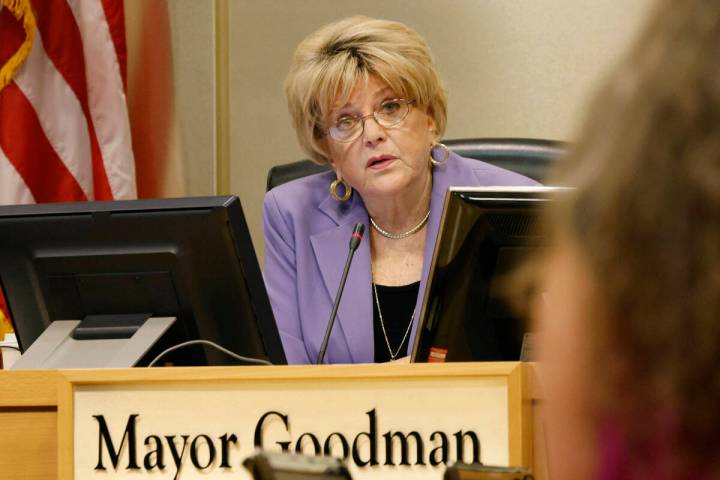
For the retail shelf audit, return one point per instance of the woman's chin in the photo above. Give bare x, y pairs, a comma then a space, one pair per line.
389, 183
385, 190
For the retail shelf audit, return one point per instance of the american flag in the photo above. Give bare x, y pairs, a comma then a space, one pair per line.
64, 129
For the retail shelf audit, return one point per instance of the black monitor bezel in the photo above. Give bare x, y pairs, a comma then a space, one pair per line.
492, 196
232, 217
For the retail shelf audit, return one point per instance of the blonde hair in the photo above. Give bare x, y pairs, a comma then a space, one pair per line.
332, 60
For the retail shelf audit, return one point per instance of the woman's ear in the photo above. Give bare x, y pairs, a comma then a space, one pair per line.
321, 142
432, 126
325, 150
333, 166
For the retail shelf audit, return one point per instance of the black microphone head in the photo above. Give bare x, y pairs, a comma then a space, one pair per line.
357, 236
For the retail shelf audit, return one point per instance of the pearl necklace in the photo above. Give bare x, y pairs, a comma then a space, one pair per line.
393, 356
398, 236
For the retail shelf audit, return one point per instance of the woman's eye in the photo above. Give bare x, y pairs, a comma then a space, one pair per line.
345, 123
390, 107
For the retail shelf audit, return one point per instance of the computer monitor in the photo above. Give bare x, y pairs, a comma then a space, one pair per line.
116, 266
485, 233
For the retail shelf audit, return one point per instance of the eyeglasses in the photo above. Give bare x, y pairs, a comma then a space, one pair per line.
390, 113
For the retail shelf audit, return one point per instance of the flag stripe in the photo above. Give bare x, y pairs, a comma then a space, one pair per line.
64, 127
12, 35
61, 35
115, 15
106, 97
24, 141
63, 44
14, 189
59, 113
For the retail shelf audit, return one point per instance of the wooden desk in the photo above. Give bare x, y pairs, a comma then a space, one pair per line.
45, 413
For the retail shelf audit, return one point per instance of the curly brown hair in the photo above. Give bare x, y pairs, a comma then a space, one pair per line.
646, 215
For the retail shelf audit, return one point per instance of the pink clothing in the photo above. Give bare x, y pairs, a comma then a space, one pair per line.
654, 460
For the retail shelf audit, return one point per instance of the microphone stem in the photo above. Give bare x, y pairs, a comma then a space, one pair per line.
336, 304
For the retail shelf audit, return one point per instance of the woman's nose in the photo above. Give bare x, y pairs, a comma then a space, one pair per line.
373, 132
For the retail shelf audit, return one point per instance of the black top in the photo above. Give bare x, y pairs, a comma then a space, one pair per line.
397, 305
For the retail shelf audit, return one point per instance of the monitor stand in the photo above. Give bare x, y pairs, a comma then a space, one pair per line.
64, 344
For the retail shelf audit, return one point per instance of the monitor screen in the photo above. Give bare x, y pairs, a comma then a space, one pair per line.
110, 263
485, 233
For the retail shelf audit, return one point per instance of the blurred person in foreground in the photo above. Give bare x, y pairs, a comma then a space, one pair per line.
630, 309
365, 97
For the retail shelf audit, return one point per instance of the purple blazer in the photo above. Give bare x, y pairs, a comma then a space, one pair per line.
306, 243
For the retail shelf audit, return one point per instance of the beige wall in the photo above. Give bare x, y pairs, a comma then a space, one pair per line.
514, 68
192, 29
188, 144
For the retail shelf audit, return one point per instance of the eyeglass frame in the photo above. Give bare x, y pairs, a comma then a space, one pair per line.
361, 119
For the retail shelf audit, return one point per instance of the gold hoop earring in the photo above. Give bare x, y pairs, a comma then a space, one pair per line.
346, 187
446, 155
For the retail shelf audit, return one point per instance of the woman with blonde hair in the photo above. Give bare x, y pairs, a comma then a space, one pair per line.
630, 314
365, 97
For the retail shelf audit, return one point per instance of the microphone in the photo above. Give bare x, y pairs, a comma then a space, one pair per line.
355, 240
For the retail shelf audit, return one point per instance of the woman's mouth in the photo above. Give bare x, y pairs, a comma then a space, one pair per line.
380, 161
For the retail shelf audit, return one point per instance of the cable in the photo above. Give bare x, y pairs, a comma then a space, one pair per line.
12, 347
253, 361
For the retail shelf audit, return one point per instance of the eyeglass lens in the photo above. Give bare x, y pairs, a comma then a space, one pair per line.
388, 114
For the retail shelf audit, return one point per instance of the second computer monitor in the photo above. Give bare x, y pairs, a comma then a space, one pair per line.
111, 263
486, 232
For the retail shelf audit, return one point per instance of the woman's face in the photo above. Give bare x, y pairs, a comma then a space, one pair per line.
381, 161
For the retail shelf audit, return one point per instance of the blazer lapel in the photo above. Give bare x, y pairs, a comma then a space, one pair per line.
354, 316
